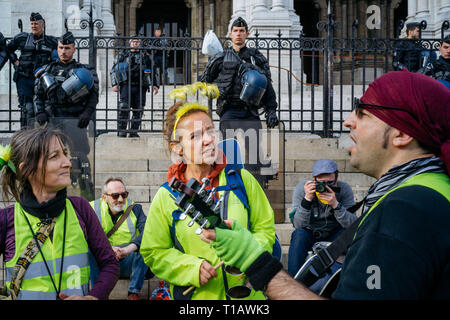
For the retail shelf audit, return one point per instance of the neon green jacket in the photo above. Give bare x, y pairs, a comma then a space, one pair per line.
183, 269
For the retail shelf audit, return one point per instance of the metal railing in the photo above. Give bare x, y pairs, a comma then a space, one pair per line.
315, 79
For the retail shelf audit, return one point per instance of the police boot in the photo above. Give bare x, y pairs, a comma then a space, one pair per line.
135, 124
29, 112
122, 120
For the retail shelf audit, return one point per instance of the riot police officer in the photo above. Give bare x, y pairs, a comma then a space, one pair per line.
440, 69
68, 89
35, 51
226, 70
243, 77
132, 75
410, 53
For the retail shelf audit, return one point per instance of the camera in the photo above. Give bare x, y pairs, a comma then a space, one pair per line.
321, 186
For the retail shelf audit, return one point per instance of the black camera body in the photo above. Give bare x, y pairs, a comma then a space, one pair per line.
321, 187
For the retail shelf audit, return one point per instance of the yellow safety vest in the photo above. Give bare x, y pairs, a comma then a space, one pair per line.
439, 182
126, 233
37, 285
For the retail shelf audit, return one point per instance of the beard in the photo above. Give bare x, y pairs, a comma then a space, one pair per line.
117, 208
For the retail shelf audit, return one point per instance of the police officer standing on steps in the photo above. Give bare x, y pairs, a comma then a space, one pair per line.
243, 77
35, 51
440, 69
411, 54
68, 89
132, 75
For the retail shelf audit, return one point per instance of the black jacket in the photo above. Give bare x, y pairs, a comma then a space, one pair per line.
35, 52
439, 70
229, 96
401, 250
56, 103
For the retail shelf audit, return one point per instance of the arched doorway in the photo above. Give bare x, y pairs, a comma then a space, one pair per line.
309, 16
173, 17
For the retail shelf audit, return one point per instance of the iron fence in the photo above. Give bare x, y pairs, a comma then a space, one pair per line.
315, 79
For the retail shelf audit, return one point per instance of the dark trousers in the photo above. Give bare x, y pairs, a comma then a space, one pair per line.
25, 92
302, 241
130, 99
249, 122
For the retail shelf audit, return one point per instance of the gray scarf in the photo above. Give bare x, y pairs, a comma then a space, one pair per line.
398, 174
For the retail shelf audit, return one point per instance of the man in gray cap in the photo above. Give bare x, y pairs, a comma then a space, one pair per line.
319, 211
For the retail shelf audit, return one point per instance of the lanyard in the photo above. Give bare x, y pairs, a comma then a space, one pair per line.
58, 290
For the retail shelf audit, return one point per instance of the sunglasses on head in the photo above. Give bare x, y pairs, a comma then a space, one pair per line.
358, 106
116, 196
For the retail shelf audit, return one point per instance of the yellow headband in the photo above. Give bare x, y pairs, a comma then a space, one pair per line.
185, 108
209, 90
5, 156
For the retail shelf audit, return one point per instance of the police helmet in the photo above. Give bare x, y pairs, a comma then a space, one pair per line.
254, 85
121, 72
78, 84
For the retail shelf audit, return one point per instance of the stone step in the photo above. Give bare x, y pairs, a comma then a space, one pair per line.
120, 291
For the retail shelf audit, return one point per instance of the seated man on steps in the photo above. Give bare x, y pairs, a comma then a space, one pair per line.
319, 211
123, 222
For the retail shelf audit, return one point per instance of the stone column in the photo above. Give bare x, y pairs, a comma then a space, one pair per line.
412, 9
423, 10
239, 10
109, 27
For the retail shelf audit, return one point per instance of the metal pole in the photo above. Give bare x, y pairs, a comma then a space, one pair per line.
212, 15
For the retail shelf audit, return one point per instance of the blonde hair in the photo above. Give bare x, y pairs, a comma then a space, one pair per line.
183, 108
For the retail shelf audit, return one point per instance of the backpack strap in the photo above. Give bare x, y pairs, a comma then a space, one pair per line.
175, 217
234, 180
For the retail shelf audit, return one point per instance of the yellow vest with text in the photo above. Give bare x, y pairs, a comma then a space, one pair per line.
37, 284
127, 231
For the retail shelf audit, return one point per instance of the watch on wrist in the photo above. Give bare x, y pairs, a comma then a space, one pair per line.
339, 206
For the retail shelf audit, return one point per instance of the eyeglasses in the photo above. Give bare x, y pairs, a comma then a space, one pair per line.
116, 196
358, 106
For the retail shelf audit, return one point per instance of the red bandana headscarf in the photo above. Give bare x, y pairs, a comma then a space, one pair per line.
425, 98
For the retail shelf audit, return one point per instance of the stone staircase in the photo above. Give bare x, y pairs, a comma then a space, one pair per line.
143, 162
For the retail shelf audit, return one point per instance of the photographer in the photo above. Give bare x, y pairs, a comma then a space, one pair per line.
319, 211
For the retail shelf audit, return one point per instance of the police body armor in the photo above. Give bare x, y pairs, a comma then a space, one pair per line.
65, 90
34, 54
4, 56
133, 68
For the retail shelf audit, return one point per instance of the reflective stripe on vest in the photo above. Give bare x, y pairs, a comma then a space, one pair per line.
126, 232
438, 182
36, 283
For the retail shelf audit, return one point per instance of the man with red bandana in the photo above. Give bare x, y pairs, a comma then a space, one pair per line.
401, 248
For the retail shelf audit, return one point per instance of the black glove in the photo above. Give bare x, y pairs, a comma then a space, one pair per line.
84, 120
42, 118
271, 118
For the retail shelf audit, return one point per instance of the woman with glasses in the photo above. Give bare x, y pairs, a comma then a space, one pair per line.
46, 236
170, 245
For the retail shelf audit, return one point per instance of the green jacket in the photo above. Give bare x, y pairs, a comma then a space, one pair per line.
182, 269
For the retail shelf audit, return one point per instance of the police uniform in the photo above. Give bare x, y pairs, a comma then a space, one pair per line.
226, 70
439, 69
4, 54
132, 72
36, 51
410, 53
62, 91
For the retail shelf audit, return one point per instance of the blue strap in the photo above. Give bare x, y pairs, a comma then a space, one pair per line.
234, 180
175, 217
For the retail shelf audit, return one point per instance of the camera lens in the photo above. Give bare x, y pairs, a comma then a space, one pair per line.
321, 187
